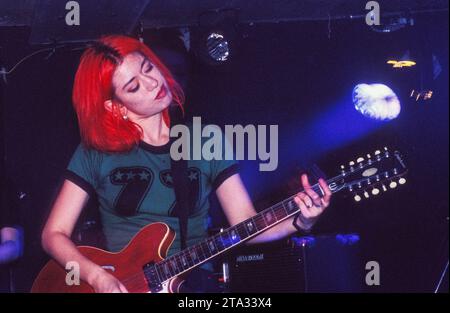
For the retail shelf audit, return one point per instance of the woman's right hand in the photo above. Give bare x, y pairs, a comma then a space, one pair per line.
104, 282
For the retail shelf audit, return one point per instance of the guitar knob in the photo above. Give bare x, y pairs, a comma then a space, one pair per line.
375, 191
402, 181
393, 184
357, 198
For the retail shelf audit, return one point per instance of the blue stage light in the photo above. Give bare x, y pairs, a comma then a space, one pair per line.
376, 101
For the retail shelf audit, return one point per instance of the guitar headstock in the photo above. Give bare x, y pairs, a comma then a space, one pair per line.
370, 175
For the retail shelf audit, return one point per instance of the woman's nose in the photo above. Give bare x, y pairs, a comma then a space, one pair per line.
150, 83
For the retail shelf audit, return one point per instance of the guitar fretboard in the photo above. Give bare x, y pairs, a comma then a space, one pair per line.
207, 249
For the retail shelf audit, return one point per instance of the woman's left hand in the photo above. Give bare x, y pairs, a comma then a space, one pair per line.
311, 204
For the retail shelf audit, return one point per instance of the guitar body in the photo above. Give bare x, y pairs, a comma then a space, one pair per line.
149, 245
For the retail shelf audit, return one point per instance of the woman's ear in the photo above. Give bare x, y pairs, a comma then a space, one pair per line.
108, 105
115, 108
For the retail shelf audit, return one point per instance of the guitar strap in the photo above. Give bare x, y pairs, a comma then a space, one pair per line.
181, 186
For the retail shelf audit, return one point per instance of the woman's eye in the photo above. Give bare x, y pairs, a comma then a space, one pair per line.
134, 89
149, 68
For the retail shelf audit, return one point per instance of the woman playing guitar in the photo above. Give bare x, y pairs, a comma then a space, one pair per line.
122, 93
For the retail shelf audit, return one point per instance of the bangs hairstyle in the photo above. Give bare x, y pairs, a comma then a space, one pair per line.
101, 129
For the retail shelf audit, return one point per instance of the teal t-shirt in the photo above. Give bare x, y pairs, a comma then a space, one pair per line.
135, 189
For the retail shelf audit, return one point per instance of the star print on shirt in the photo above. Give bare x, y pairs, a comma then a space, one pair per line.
192, 175
119, 175
143, 175
167, 178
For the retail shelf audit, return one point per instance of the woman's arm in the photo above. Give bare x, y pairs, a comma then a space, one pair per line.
238, 207
56, 238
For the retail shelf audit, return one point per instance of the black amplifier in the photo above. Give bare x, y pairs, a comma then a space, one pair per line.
299, 264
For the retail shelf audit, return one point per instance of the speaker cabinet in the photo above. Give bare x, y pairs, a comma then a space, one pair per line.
300, 264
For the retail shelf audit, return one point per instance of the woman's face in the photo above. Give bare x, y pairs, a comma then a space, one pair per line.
140, 86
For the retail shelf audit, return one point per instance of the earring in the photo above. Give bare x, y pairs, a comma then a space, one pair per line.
125, 117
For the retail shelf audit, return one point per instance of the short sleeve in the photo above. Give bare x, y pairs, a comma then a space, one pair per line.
84, 168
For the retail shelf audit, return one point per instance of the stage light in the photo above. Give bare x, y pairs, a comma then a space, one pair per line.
424, 95
404, 61
400, 64
218, 47
216, 39
376, 101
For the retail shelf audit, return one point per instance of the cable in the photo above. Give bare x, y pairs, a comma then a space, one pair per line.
5, 72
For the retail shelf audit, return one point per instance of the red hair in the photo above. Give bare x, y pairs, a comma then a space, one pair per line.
99, 128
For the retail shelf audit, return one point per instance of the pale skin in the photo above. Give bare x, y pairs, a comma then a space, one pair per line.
136, 84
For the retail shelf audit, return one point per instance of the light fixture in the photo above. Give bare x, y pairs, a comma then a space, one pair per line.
376, 101
400, 64
424, 94
215, 40
218, 47
404, 61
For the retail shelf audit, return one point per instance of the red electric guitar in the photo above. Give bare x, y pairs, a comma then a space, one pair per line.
142, 265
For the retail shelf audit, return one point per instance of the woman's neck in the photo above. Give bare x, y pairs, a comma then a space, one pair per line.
155, 130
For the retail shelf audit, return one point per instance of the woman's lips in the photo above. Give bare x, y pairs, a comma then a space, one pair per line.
162, 93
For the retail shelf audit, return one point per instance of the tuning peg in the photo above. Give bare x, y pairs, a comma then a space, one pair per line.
385, 149
357, 198
375, 191
369, 156
377, 152
359, 160
393, 184
384, 187
402, 181
366, 194
351, 163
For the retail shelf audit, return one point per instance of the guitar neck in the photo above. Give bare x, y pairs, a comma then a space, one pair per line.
231, 237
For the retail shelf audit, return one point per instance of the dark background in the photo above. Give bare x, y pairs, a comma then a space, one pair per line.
298, 75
